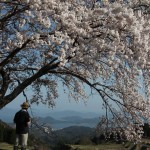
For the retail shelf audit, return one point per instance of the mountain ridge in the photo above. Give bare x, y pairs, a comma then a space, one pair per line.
7, 114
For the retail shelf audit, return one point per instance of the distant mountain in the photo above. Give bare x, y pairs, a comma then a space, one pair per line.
69, 113
7, 135
49, 120
72, 118
68, 121
74, 132
57, 120
77, 119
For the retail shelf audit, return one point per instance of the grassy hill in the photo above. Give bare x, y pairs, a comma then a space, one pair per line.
7, 134
70, 138
6, 146
103, 146
106, 146
7, 137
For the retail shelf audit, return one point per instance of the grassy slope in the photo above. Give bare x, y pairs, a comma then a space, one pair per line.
6, 146
100, 147
109, 146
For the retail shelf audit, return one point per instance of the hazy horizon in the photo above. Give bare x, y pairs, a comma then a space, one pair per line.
62, 104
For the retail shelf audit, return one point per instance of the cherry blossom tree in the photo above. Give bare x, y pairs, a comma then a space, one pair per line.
76, 43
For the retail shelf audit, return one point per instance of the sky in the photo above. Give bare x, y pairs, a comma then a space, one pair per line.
93, 104
63, 107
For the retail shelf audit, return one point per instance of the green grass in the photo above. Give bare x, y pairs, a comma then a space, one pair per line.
106, 146
6, 146
99, 147
110, 146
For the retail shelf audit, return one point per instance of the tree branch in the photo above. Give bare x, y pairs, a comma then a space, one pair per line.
44, 70
13, 53
15, 11
5, 83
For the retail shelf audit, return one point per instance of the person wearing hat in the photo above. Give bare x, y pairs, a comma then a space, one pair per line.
22, 121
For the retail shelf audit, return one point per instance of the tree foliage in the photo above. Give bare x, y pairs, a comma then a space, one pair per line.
7, 134
103, 44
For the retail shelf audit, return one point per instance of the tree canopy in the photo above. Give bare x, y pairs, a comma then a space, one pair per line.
103, 44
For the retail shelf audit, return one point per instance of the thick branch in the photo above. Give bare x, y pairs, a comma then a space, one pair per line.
44, 70
5, 83
11, 14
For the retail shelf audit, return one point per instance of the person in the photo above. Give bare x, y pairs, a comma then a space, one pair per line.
22, 120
